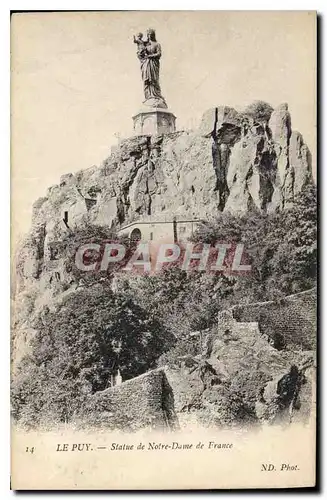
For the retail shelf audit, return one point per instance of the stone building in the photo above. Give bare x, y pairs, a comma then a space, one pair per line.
169, 230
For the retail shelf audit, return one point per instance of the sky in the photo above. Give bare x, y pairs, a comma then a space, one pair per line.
76, 82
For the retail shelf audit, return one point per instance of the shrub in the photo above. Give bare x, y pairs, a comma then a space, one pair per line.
259, 111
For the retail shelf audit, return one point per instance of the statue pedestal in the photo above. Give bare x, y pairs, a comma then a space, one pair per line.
154, 121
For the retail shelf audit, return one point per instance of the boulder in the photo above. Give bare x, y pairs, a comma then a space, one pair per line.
222, 123
208, 123
228, 125
280, 127
300, 161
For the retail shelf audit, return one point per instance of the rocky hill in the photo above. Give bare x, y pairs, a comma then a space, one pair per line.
234, 162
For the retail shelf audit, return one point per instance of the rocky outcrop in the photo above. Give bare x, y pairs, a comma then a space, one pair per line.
233, 162
241, 388
224, 123
259, 162
300, 159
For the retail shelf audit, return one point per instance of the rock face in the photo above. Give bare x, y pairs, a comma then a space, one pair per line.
249, 366
234, 162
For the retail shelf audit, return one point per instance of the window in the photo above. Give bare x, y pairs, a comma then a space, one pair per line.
136, 235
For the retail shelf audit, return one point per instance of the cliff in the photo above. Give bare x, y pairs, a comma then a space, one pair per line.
233, 162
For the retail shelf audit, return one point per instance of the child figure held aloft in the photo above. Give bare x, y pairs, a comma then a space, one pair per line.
141, 45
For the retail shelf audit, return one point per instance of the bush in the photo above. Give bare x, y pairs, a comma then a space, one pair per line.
78, 347
259, 111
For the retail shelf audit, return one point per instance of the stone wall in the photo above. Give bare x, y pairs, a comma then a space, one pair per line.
289, 321
245, 352
240, 347
247, 337
146, 401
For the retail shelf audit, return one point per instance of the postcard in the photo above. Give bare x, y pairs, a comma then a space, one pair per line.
164, 248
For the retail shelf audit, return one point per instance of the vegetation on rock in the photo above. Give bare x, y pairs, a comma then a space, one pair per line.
144, 321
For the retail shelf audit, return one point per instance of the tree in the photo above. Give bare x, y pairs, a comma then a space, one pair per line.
94, 234
295, 259
259, 111
281, 247
76, 348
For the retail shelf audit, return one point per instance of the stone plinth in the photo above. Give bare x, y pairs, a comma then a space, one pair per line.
154, 121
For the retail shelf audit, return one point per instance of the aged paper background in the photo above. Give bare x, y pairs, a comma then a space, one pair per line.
75, 83
239, 467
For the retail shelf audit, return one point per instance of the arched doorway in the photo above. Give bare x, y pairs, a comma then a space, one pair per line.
136, 235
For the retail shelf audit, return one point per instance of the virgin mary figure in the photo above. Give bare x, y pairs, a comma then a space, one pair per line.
150, 68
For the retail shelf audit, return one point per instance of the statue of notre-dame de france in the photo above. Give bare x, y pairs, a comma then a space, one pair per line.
154, 117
